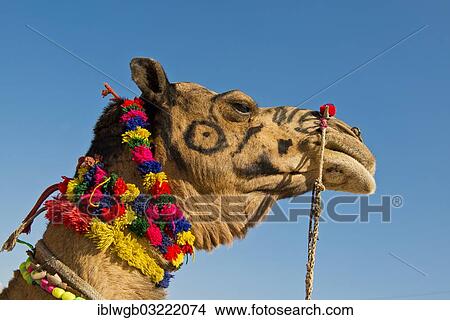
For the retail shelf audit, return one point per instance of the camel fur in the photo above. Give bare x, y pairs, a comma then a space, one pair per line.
215, 148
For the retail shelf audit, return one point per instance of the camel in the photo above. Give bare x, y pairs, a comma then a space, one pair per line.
212, 146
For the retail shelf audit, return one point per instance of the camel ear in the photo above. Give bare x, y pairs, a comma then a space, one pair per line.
150, 77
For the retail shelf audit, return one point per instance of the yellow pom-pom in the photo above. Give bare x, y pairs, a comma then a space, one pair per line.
68, 296
101, 233
124, 246
161, 177
58, 292
179, 260
149, 180
185, 237
138, 133
81, 172
131, 193
70, 189
130, 215
121, 222
130, 250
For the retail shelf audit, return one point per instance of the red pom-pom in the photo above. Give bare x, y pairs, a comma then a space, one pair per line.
187, 249
331, 109
109, 214
120, 187
127, 103
169, 230
172, 252
65, 212
160, 188
136, 102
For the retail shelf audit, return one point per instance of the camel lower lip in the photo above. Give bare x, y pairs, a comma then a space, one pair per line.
345, 173
352, 148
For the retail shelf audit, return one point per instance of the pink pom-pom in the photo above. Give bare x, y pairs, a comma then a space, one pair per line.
142, 154
152, 212
99, 175
154, 235
97, 195
178, 213
168, 212
133, 113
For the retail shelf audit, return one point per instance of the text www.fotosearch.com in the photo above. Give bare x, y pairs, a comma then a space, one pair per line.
175, 309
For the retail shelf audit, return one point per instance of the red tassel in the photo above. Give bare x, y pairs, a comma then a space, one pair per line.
65, 212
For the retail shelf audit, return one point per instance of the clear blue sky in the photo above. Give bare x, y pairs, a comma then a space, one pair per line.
280, 53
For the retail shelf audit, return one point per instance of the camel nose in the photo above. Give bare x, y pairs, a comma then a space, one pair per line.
342, 127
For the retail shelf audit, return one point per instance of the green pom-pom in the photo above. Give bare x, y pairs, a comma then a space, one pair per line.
163, 199
130, 107
161, 225
135, 142
139, 226
80, 190
112, 181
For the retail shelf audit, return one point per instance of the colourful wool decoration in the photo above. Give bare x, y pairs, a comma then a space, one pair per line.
115, 214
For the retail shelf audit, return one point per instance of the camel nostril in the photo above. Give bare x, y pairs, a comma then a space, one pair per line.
357, 133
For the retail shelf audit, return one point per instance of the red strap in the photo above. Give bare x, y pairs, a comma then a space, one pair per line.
47, 192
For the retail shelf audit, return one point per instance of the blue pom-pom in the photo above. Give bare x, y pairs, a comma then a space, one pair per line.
166, 241
96, 212
140, 204
150, 166
107, 201
135, 122
182, 225
89, 176
164, 283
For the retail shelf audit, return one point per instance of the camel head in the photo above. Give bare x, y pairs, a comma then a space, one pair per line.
221, 144
227, 160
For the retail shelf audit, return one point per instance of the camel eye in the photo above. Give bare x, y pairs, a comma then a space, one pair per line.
241, 107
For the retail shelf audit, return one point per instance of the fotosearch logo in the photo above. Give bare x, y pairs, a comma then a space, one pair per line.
341, 209
247, 209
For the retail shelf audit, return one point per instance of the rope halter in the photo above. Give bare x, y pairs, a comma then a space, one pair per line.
326, 112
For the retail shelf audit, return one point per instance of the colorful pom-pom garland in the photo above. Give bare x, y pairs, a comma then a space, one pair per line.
115, 214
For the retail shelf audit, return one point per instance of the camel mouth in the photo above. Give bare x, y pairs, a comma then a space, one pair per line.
348, 166
353, 148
